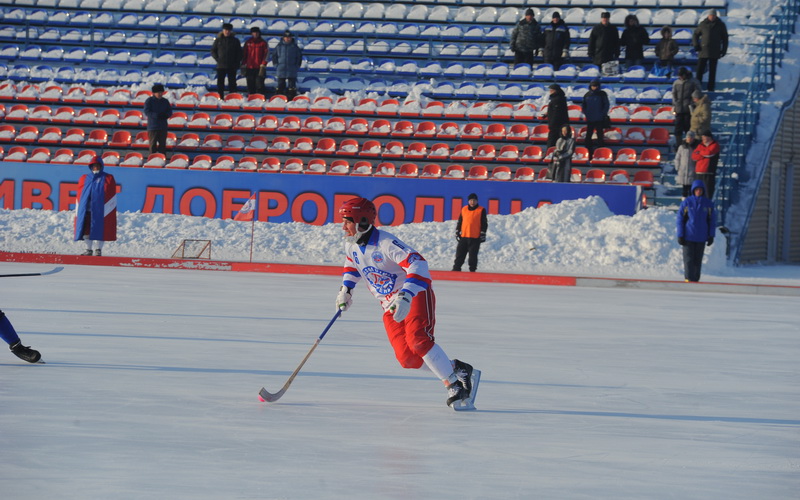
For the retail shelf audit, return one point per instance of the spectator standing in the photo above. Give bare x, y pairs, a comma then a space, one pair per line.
666, 50
287, 57
682, 89
562, 156
96, 208
684, 164
9, 335
470, 233
706, 157
526, 39
556, 42
710, 41
227, 51
557, 114
398, 276
604, 41
697, 222
701, 113
634, 38
254, 61
157, 109
595, 108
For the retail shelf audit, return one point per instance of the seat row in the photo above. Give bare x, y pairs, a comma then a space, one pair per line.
318, 166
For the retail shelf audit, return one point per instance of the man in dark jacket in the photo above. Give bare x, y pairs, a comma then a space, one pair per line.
710, 41
696, 225
470, 233
556, 42
157, 109
682, 89
287, 57
227, 51
634, 38
557, 114
604, 41
595, 108
526, 39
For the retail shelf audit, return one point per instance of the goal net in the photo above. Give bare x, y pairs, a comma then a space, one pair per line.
193, 249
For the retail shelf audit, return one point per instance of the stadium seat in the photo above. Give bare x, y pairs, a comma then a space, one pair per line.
16, 153
602, 156
478, 172
302, 145
462, 152
200, 120
334, 125
362, 168
416, 150
279, 144
410, 170
625, 156
267, 123
618, 176
233, 101
650, 157
635, 135
244, 123
178, 161
543, 175
501, 173
439, 151
293, 166
403, 128
580, 156
644, 178
97, 137
134, 159
155, 160
393, 149
576, 175
311, 125
508, 153
380, 128
431, 171
17, 113
63, 157
74, 137
27, 134
339, 167
246, 164
531, 154
289, 124
233, 143
132, 118
427, 129
51, 135
316, 166
140, 140
254, 102
325, 146
485, 152
257, 144
201, 162
211, 142
540, 133
518, 132
455, 172
385, 169
358, 126
109, 117
595, 175
348, 147
189, 141
209, 100
270, 165
524, 174
111, 158
98, 96
658, 136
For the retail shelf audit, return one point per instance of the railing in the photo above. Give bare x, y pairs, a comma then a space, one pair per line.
767, 57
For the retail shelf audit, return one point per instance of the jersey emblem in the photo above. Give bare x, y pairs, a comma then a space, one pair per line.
377, 257
382, 281
414, 257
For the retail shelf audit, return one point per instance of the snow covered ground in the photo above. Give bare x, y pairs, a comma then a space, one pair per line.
150, 386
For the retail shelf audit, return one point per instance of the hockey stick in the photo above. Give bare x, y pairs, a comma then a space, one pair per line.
263, 395
52, 271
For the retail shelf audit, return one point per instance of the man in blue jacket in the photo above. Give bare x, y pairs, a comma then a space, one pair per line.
595, 108
287, 58
696, 224
157, 109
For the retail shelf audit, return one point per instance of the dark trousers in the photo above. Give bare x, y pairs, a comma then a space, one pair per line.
709, 180
466, 246
702, 63
523, 56
231, 75
157, 140
591, 128
291, 91
553, 134
255, 83
555, 61
683, 123
693, 259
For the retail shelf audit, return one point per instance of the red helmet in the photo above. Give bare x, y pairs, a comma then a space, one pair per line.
359, 210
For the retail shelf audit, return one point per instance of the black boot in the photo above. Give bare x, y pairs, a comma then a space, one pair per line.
25, 353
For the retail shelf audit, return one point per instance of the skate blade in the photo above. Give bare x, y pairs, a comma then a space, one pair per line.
469, 403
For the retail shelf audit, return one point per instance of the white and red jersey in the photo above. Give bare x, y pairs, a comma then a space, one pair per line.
387, 264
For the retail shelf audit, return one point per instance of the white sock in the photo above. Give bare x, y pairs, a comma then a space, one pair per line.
98, 244
439, 363
87, 242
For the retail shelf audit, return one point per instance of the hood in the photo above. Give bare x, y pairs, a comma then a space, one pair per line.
699, 184
98, 161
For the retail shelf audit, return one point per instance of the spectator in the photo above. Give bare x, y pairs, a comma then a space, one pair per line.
710, 41
701, 113
697, 222
666, 50
287, 58
398, 277
684, 164
470, 233
96, 208
562, 156
8, 334
604, 41
526, 39
557, 114
595, 108
227, 51
682, 89
157, 109
706, 157
255, 61
634, 38
556, 42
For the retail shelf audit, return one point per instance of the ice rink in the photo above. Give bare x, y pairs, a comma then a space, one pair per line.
151, 378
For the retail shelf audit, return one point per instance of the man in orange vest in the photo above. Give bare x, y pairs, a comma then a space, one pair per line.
470, 233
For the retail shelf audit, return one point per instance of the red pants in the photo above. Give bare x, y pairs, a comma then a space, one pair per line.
412, 338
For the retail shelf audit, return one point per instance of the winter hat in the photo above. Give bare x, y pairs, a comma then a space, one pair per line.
556, 15
712, 12
529, 12
555, 86
472, 196
595, 82
697, 94
287, 33
157, 88
605, 15
255, 29
691, 135
227, 26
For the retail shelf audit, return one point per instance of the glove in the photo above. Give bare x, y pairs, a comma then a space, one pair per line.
401, 304
458, 235
344, 299
682, 241
565, 53
262, 70
710, 242
483, 237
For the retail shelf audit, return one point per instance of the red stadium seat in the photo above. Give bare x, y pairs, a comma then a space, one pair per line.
280, 144
199, 120
16, 153
625, 156
595, 175
155, 160
371, 148
74, 137
455, 172
178, 161
472, 131
380, 128
140, 140
190, 141
316, 166
518, 132
408, 170
222, 121
339, 167
224, 164
86, 116
257, 144
644, 178
254, 102
97, 137
543, 175
366, 106
576, 175
334, 125
27, 135
602, 156
501, 173
325, 146
428, 130
524, 174
478, 173
299, 104
394, 149
302, 146
63, 157
201, 162
462, 152
244, 123
385, 169
63, 114
448, 130
110, 158
650, 157
233, 101
658, 136
362, 168
403, 128
209, 100
293, 166
485, 152
416, 150
358, 126
635, 135
289, 124
267, 123
52, 135
98, 96
580, 156
234, 143
312, 124
618, 176
434, 109
211, 142
276, 103
439, 151
41, 114
431, 171
348, 147
247, 164
531, 154
133, 159
270, 165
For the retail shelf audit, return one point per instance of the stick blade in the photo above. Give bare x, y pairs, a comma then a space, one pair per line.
266, 397
53, 271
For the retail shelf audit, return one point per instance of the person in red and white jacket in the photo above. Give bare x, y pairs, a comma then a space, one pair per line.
706, 157
398, 276
96, 208
254, 61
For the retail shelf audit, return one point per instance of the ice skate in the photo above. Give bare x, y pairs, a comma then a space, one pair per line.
455, 393
25, 353
87, 252
468, 378
98, 253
